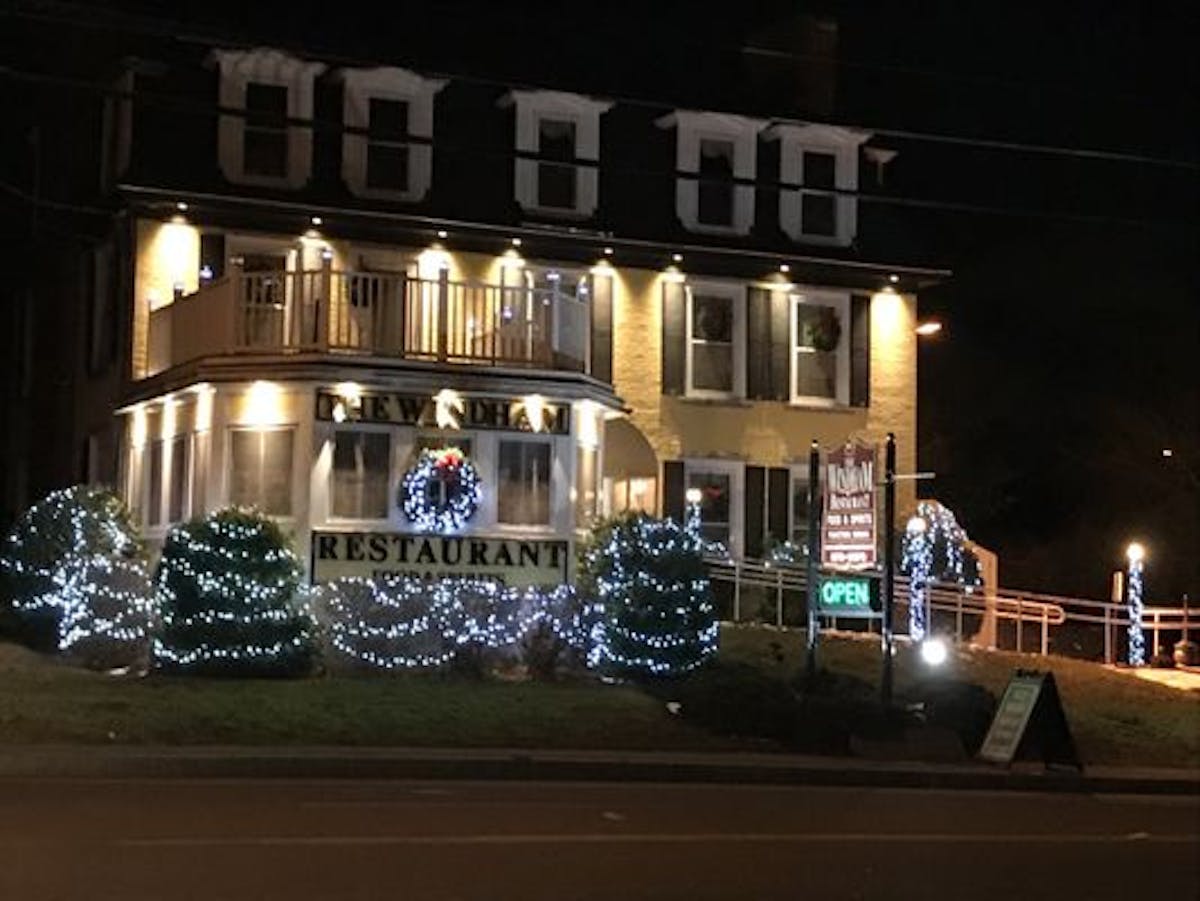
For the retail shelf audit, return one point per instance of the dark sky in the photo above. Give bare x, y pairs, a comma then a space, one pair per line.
1071, 354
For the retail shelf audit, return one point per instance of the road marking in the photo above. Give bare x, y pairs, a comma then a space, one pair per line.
646, 838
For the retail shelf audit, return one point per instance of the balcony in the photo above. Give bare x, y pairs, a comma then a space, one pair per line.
372, 315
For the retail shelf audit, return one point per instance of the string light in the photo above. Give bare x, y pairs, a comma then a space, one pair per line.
1137, 640
656, 600
406, 623
229, 591
108, 610
457, 481
918, 564
67, 523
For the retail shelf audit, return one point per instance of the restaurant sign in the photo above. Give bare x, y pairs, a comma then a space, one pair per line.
446, 410
848, 523
512, 561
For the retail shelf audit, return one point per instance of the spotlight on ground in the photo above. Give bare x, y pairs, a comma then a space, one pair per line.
933, 651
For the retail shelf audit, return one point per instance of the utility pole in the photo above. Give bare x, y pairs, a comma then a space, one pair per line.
889, 564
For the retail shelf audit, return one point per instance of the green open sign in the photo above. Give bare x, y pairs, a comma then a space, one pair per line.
846, 596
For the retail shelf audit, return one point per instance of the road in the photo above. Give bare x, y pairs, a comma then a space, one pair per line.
436, 841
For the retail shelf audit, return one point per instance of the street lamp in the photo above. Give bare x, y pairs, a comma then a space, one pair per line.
929, 327
1135, 555
919, 552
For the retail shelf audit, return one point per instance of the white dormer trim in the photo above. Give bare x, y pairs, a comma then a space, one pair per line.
531, 108
843, 143
264, 65
388, 83
691, 128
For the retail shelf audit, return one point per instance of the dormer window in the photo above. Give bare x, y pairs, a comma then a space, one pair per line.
818, 169
558, 149
715, 165
264, 96
387, 150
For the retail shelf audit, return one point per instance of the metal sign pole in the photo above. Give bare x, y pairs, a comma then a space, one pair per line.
814, 550
889, 564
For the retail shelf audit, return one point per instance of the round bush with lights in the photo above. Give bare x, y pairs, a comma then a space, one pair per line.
109, 612
67, 524
229, 589
648, 577
441, 492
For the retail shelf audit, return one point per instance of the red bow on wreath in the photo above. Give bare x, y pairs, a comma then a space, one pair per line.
450, 458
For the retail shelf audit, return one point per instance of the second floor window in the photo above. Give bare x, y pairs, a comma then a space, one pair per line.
715, 335
820, 349
265, 137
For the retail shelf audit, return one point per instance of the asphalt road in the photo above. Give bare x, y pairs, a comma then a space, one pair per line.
170, 840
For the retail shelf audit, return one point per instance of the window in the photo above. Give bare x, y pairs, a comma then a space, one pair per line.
813, 160
387, 149
264, 96
587, 486
260, 469
177, 487
820, 348
154, 492
715, 205
716, 503
265, 135
799, 525
361, 474
556, 180
715, 325
818, 212
557, 149
387, 152
713, 153
523, 494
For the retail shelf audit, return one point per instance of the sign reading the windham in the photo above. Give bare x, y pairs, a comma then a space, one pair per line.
447, 409
513, 561
848, 525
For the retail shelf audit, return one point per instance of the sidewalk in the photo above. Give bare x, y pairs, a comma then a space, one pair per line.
209, 762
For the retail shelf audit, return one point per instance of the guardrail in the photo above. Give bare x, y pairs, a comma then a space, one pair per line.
1020, 611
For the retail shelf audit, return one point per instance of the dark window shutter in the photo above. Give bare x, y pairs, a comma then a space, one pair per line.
212, 253
673, 491
781, 346
779, 493
674, 319
755, 497
860, 351
758, 340
602, 327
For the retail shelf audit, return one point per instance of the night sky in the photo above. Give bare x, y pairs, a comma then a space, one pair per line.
1071, 352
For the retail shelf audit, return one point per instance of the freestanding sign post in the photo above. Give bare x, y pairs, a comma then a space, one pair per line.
814, 537
889, 563
848, 533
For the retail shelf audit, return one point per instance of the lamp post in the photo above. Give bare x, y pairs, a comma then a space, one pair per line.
919, 554
1135, 556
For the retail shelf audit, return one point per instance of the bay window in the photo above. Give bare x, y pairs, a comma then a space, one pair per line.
523, 486
260, 469
361, 474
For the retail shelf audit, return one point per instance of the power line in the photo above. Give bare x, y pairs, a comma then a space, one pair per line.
160, 27
186, 106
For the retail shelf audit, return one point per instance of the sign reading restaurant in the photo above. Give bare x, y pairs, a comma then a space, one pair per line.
513, 561
848, 526
447, 409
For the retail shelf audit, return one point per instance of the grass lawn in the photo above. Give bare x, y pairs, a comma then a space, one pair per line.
1116, 719
43, 701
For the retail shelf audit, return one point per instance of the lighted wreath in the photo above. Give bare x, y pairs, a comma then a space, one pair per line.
440, 493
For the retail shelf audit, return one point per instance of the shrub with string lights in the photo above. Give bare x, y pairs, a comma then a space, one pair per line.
649, 579
72, 522
231, 605
109, 612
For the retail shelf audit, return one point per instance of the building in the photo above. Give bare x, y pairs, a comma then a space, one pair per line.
316, 270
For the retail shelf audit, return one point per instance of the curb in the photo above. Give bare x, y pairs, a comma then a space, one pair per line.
518, 765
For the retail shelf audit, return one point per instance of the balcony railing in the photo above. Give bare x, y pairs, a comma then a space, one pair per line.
372, 314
